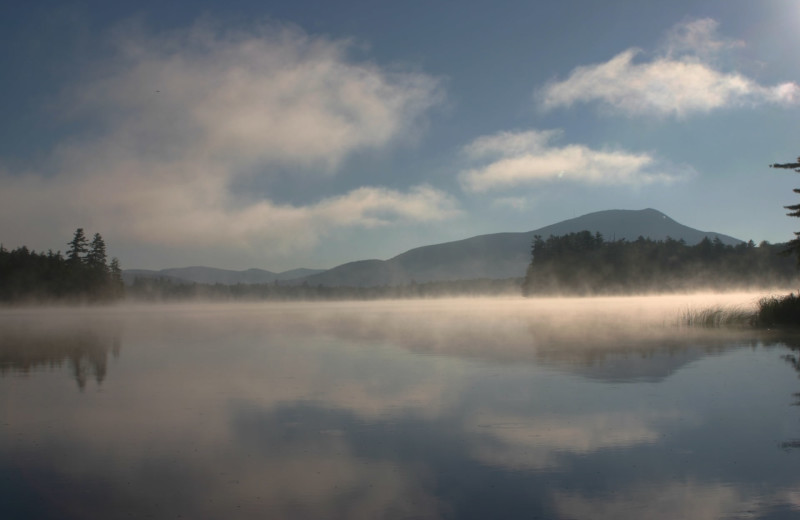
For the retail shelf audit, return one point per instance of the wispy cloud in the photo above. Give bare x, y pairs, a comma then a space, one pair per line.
189, 205
680, 80
514, 203
267, 94
183, 115
698, 38
510, 159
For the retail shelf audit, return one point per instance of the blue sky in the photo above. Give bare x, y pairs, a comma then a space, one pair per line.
308, 134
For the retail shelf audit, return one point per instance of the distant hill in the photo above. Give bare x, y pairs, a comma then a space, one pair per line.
494, 256
504, 255
212, 275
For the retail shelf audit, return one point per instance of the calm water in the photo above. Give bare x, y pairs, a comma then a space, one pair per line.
563, 409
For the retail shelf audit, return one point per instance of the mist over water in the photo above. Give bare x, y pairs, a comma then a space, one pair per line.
454, 408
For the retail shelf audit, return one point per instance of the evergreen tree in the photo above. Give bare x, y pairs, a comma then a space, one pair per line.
96, 257
117, 288
78, 247
28, 276
794, 245
98, 283
578, 263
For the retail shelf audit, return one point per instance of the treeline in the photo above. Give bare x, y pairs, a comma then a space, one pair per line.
164, 289
84, 275
584, 263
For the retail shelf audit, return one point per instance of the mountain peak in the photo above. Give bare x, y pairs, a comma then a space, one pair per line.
492, 256
506, 255
618, 224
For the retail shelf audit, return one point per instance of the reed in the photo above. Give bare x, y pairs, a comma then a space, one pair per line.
770, 312
779, 311
719, 316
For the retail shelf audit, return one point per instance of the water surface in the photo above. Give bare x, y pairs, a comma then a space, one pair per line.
564, 409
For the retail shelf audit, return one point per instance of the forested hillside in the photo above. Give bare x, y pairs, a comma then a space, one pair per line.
585, 263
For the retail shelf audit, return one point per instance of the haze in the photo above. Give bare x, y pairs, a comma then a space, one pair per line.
288, 135
460, 326
448, 408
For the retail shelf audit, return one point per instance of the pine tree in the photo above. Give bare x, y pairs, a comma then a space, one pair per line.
117, 285
97, 276
78, 247
96, 257
794, 245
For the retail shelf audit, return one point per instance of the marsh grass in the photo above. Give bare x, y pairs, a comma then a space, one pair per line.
770, 312
779, 311
719, 316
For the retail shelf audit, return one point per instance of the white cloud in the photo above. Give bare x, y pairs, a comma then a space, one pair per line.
269, 94
176, 205
177, 118
680, 81
527, 157
698, 38
509, 143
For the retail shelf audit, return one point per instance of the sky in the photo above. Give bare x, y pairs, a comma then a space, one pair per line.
281, 135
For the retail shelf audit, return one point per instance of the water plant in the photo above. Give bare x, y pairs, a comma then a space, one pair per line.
779, 311
719, 316
770, 312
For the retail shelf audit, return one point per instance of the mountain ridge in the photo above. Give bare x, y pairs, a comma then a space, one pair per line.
493, 255
212, 275
506, 254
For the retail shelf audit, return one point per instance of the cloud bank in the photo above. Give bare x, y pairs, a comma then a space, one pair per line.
681, 80
510, 159
180, 116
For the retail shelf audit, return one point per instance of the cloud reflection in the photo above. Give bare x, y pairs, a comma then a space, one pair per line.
382, 409
669, 500
524, 442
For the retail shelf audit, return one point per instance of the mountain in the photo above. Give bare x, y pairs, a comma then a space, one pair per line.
494, 256
211, 275
130, 275
503, 255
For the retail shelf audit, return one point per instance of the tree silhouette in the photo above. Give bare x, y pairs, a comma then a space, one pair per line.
117, 287
582, 263
78, 247
96, 257
793, 245
84, 275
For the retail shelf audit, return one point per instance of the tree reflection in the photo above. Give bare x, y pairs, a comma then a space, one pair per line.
84, 349
793, 344
793, 359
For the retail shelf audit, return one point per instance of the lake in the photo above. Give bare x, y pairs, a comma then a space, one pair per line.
595, 408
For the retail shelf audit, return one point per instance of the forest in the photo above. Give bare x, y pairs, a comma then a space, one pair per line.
83, 276
164, 289
584, 264
574, 264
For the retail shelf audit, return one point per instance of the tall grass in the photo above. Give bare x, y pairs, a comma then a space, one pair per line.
719, 316
779, 311
770, 312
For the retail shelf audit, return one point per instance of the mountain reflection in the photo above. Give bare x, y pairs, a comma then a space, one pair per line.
389, 411
586, 342
28, 347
